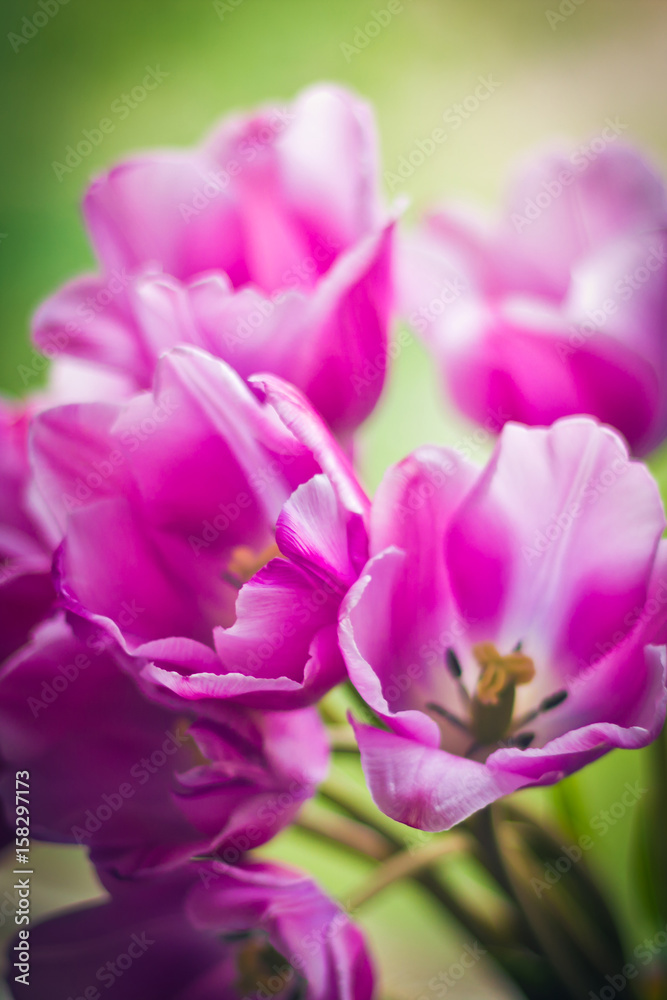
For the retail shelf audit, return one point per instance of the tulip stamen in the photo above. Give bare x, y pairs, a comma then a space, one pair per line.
492, 705
433, 706
546, 705
244, 562
490, 710
454, 667
521, 740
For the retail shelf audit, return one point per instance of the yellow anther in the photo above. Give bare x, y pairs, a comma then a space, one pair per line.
260, 965
244, 562
498, 673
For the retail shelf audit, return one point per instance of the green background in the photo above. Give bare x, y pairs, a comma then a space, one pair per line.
606, 59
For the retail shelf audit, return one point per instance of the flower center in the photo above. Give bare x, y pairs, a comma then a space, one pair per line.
244, 562
490, 710
492, 705
261, 967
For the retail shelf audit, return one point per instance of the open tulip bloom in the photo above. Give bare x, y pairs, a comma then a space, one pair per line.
200, 533
189, 563
504, 627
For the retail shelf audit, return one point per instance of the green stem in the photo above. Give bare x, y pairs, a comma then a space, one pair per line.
346, 832
347, 795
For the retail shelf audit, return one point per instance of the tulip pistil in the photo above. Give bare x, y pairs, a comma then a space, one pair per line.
492, 705
490, 709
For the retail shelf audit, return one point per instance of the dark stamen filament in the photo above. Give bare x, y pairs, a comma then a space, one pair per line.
545, 706
432, 706
522, 740
552, 701
453, 665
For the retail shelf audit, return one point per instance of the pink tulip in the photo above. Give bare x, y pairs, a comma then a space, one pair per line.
509, 626
558, 309
266, 245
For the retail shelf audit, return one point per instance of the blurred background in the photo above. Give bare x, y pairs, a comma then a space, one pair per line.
561, 68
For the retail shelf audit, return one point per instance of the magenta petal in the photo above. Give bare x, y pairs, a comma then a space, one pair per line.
425, 787
561, 309
570, 483
351, 310
390, 683
654, 614
277, 614
282, 652
640, 723
297, 414
294, 912
90, 318
312, 531
144, 921
142, 213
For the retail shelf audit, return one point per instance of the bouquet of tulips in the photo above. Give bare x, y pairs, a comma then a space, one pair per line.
201, 604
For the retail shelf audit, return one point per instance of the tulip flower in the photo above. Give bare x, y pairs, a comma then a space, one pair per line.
141, 786
211, 930
509, 627
267, 245
559, 309
26, 591
190, 516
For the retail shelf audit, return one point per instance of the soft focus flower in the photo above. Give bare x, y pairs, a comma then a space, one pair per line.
562, 307
502, 629
141, 786
210, 931
26, 591
275, 253
171, 506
